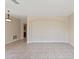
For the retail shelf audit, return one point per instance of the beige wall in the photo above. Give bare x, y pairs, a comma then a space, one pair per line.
48, 29
12, 28
71, 31
42, 29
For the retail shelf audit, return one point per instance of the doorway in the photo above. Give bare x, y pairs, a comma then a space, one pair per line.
25, 32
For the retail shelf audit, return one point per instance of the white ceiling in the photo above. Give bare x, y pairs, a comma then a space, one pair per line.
40, 8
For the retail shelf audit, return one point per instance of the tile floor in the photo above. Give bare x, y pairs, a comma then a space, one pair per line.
21, 50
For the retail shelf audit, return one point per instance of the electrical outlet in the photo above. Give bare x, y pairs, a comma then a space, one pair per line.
14, 37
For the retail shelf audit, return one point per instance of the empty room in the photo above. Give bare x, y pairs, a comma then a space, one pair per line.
39, 29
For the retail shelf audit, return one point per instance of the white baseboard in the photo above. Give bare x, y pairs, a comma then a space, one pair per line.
47, 42
12, 41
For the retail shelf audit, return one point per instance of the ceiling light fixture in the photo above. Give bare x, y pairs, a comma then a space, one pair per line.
15, 1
